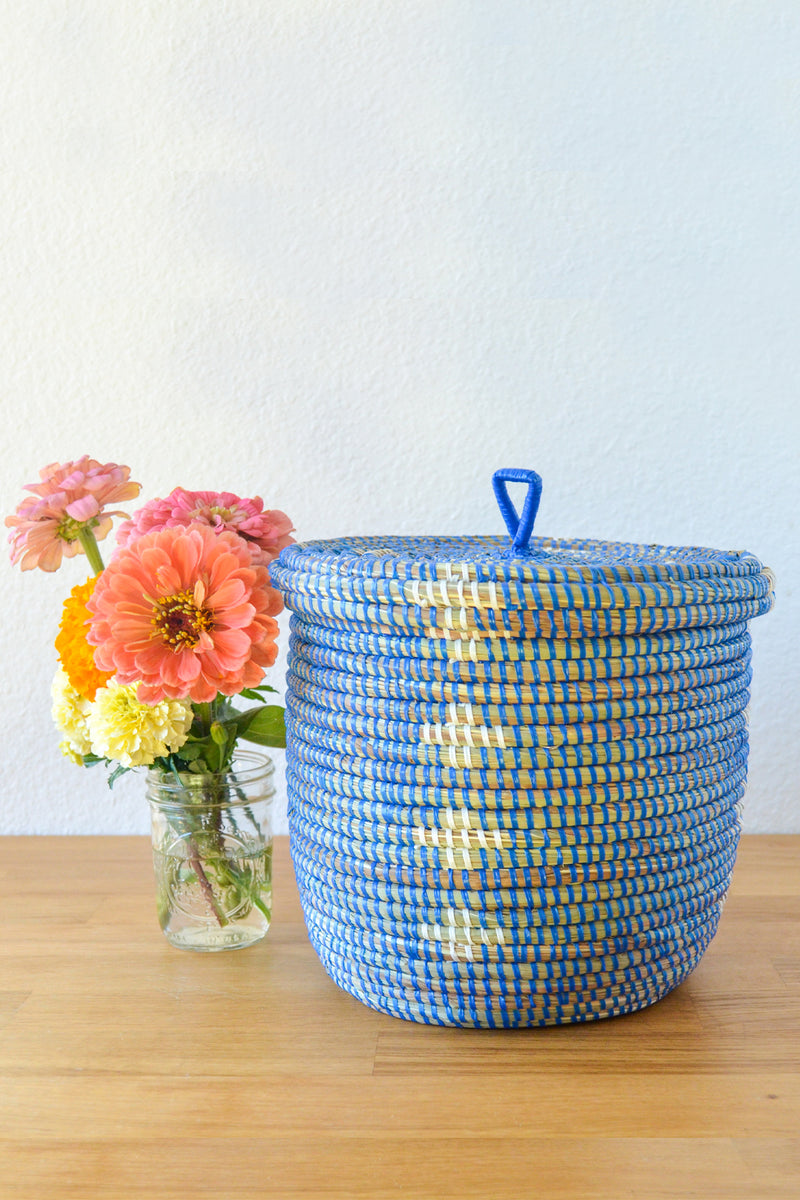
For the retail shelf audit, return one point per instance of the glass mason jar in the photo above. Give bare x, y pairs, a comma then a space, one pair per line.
212, 853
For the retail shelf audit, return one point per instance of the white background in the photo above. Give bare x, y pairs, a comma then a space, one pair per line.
353, 256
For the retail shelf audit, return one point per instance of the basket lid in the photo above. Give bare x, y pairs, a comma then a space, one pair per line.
526, 559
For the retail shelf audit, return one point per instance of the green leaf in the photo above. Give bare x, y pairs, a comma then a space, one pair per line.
265, 726
190, 750
115, 774
254, 693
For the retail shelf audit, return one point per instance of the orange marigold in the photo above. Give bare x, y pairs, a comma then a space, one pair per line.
74, 652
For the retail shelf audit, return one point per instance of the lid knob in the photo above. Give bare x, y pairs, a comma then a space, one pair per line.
520, 527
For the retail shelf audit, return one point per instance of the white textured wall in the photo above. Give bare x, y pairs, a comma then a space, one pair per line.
353, 256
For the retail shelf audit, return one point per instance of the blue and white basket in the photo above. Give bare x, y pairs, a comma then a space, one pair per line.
515, 772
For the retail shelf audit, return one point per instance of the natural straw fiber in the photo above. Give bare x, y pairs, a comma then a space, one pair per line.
517, 595
551, 622
467, 691
515, 772
487, 559
497, 809
331, 698
717, 718
480, 671
549, 889
618, 915
352, 641
593, 823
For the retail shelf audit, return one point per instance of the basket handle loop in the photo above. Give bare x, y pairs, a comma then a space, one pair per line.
520, 527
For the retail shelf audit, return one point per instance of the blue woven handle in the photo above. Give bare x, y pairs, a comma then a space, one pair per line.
520, 527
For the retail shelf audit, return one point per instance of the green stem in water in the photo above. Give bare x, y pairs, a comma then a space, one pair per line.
90, 548
207, 889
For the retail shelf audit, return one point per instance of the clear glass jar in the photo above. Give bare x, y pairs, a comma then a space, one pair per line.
212, 853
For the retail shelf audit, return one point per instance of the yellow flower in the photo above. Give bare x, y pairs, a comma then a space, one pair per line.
70, 713
74, 652
135, 734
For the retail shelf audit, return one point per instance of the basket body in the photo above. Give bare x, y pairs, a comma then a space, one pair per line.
515, 780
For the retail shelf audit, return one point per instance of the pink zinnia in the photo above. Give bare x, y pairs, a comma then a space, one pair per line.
185, 613
70, 497
265, 532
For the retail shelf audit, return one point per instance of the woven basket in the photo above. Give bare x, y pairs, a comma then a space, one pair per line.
515, 771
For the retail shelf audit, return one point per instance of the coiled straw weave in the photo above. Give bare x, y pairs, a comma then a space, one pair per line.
515, 772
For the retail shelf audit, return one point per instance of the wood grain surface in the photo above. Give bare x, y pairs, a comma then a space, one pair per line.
131, 1069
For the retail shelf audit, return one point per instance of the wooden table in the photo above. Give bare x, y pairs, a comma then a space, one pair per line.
130, 1069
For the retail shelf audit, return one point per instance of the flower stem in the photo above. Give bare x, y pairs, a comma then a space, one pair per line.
207, 889
90, 548
203, 713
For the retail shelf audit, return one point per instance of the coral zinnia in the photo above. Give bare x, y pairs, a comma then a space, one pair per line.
266, 533
71, 496
185, 613
74, 652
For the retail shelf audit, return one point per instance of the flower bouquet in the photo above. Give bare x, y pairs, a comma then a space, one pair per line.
155, 649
